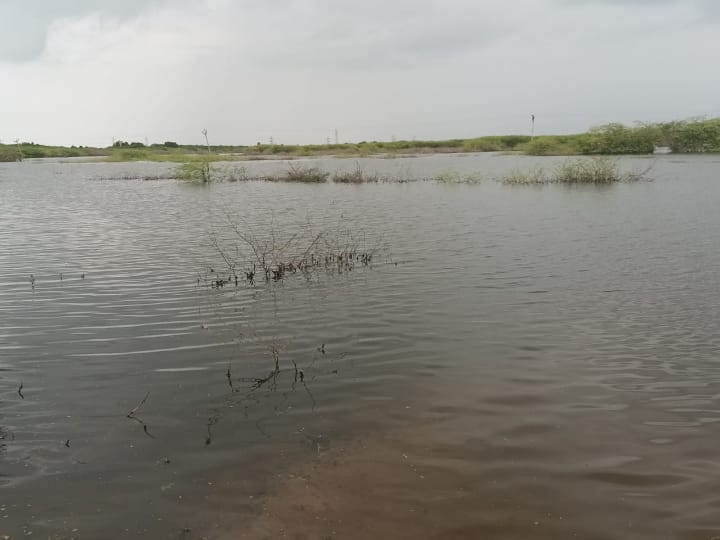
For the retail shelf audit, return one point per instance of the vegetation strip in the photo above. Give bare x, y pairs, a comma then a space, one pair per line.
683, 136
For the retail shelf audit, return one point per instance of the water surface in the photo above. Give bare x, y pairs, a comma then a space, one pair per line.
517, 363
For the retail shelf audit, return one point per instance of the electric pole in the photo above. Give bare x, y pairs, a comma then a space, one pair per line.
532, 127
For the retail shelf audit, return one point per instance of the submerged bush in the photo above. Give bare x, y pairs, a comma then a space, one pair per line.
536, 175
196, 171
357, 176
455, 177
596, 170
300, 173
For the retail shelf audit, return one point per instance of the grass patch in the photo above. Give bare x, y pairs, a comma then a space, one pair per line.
551, 145
455, 177
300, 173
194, 171
357, 176
141, 154
599, 170
536, 175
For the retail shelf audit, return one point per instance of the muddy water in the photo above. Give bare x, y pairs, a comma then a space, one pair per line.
540, 362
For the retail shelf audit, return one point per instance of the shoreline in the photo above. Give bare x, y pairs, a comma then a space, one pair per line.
679, 137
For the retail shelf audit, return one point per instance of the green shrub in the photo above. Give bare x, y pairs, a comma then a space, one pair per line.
9, 153
135, 154
357, 176
194, 171
549, 146
455, 177
614, 139
595, 170
691, 136
536, 175
299, 173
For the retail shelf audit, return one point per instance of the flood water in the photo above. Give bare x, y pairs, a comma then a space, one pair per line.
517, 362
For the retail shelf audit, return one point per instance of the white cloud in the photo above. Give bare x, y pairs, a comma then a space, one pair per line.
296, 69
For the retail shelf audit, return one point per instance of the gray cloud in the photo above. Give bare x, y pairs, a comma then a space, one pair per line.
296, 69
701, 7
369, 35
24, 25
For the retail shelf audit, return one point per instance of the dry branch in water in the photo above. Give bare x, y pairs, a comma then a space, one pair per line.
132, 415
247, 389
272, 252
268, 250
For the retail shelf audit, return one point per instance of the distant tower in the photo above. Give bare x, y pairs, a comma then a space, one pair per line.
336, 136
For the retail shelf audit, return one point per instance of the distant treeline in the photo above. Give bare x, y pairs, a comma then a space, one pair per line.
685, 136
28, 150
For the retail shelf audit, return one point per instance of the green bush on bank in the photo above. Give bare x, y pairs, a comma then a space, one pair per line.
691, 136
616, 139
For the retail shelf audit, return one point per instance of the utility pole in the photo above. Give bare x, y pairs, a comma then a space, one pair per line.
532, 126
205, 171
207, 143
336, 136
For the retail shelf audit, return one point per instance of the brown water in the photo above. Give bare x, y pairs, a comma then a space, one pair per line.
540, 362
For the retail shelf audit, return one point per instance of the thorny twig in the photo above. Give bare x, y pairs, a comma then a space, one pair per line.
229, 378
133, 416
309, 393
335, 251
239, 396
210, 423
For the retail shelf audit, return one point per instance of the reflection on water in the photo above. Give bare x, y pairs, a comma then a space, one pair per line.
539, 362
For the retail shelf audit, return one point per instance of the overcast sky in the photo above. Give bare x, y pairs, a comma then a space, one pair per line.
85, 71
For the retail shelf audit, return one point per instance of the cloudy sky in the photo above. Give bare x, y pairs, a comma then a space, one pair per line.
85, 71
